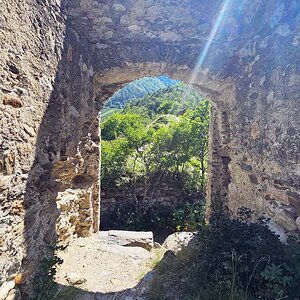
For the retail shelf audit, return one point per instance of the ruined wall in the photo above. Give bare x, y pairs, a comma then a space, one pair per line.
62, 190
31, 48
264, 122
48, 139
161, 195
250, 73
56, 74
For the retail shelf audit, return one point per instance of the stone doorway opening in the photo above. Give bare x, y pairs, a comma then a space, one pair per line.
154, 152
220, 93
105, 85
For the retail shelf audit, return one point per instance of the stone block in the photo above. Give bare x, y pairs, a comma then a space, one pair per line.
4, 183
294, 199
282, 218
29, 130
131, 238
118, 7
6, 288
12, 100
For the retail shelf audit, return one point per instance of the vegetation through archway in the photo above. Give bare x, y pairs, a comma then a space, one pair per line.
154, 156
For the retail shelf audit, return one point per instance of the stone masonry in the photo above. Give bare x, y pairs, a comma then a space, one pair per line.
60, 60
161, 195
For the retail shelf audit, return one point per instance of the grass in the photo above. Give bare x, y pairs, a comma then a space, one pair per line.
67, 293
156, 257
169, 271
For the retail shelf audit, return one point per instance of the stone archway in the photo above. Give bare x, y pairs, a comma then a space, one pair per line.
61, 59
220, 93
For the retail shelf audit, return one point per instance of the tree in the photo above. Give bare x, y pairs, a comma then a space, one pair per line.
161, 134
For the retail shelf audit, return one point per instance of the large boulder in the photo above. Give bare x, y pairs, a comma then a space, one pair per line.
142, 239
178, 240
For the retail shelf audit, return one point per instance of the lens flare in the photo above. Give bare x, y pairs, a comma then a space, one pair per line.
212, 35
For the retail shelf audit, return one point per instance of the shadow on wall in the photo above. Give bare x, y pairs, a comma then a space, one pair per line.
66, 144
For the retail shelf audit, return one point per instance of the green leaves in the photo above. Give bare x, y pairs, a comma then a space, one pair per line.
189, 217
164, 132
276, 274
114, 157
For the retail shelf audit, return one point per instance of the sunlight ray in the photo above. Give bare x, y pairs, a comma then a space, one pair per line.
218, 23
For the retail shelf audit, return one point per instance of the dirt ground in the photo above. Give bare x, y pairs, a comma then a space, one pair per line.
95, 269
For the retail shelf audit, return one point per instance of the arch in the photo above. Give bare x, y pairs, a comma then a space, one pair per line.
251, 75
221, 94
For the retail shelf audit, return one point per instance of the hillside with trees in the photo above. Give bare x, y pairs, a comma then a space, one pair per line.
157, 137
138, 89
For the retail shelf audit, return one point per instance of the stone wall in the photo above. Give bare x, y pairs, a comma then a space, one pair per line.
250, 74
56, 74
161, 195
48, 139
62, 189
31, 48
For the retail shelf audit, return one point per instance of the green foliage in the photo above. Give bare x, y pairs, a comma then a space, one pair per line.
106, 112
46, 287
160, 136
277, 279
188, 217
114, 155
130, 126
122, 136
68, 292
173, 100
140, 141
126, 217
233, 260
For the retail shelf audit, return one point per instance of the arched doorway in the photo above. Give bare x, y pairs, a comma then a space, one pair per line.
220, 93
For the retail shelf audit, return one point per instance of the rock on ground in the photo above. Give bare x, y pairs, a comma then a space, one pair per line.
100, 268
109, 265
131, 238
178, 240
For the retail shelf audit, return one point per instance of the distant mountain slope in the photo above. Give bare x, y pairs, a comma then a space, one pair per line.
173, 100
140, 88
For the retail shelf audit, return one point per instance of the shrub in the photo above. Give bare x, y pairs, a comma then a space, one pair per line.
188, 217
233, 260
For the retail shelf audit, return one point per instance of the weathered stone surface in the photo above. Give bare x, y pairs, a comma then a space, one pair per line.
39, 113
298, 223
176, 241
13, 101
131, 238
285, 221
163, 195
56, 75
14, 294
110, 270
278, 230
29, 130
5, 289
